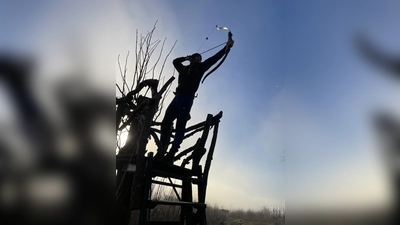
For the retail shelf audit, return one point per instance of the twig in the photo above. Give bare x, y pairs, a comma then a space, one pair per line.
162, 68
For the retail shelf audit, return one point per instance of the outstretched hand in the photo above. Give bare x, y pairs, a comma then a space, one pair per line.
230, 43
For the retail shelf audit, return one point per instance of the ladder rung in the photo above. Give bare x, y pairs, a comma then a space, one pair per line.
166, 184
154, 203
180, 176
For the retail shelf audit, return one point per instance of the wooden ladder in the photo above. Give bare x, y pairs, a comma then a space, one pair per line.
196, 176
156, 168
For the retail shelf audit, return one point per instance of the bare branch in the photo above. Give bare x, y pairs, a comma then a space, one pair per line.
165, 86
137, 60
122, 92
162, 68
120, 71
125, 70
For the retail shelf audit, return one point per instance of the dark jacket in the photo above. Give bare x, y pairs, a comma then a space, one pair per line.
190, 76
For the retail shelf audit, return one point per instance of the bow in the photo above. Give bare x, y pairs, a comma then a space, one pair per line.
227, 49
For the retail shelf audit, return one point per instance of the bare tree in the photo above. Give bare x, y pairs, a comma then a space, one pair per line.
139, 104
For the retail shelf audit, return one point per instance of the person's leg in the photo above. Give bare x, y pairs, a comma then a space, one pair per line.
181, 120
169, 117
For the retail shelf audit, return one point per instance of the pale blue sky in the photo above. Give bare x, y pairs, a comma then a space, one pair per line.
293, 82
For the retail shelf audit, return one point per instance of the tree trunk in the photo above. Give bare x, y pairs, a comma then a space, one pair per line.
130, 185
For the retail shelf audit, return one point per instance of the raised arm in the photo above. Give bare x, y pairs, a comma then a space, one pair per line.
213, 59
178, 63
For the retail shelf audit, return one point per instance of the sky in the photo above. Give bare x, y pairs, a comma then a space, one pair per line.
293, 85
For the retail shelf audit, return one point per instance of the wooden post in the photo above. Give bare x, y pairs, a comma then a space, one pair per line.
210, 157
146, 192
187, 197
200, 147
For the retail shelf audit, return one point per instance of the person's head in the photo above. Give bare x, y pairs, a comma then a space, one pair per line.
196, 58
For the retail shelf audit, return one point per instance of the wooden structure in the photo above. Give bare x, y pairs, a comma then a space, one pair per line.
190, 212
138, 172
